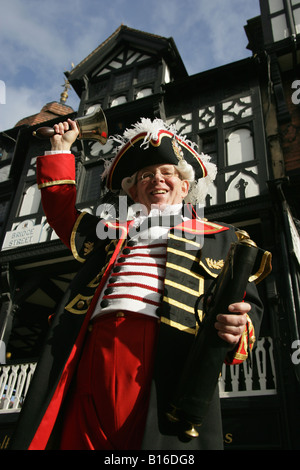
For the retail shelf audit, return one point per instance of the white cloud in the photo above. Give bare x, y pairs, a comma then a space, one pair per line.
40, 40
211, 33
20, 102
207, 33
26, 37
227, 36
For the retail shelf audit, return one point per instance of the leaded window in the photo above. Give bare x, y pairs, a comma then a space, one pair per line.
130, 75
92, 183
225, 132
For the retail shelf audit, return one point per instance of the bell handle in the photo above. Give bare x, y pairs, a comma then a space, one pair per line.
48, 132
44, 132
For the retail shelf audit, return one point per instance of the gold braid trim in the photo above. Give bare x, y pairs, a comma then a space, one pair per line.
54, 183
72, 239
180, 327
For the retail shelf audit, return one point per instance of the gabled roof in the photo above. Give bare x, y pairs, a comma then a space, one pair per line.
149, 43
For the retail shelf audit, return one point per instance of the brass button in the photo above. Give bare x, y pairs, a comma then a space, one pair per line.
80, 304
120, 314
90, 328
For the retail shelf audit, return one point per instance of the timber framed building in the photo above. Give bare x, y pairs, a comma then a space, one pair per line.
246, 115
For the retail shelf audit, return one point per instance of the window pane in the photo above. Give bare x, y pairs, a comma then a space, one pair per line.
4, 173
240, 147
279, 28
31, 201
99, 88
276, 5
3, 209
297, 19
92, 183
146, 74
122, 81
208, 145
118, 100
143, 93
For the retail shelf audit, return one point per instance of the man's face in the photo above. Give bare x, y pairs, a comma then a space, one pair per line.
159, 185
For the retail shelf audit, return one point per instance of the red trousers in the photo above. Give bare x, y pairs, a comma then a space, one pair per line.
109, 405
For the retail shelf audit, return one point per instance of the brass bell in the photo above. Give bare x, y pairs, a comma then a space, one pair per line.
92, 126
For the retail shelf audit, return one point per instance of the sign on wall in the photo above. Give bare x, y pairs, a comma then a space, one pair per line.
26, 233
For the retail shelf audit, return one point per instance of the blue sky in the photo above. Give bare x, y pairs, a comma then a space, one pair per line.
40, 40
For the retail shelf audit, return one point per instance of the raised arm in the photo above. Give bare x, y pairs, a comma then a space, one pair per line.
56, 179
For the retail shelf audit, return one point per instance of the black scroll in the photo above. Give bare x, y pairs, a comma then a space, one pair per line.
199, 379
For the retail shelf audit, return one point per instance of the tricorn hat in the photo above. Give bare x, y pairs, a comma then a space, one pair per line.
154, 142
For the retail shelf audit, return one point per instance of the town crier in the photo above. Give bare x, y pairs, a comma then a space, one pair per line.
123, 329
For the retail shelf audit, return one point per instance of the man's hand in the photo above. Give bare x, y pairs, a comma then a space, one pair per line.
65, 134
231, 327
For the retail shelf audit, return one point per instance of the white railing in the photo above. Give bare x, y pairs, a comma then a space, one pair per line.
236, 381
14, 383
254, 377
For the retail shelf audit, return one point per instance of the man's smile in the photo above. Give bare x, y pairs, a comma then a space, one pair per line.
159, 191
